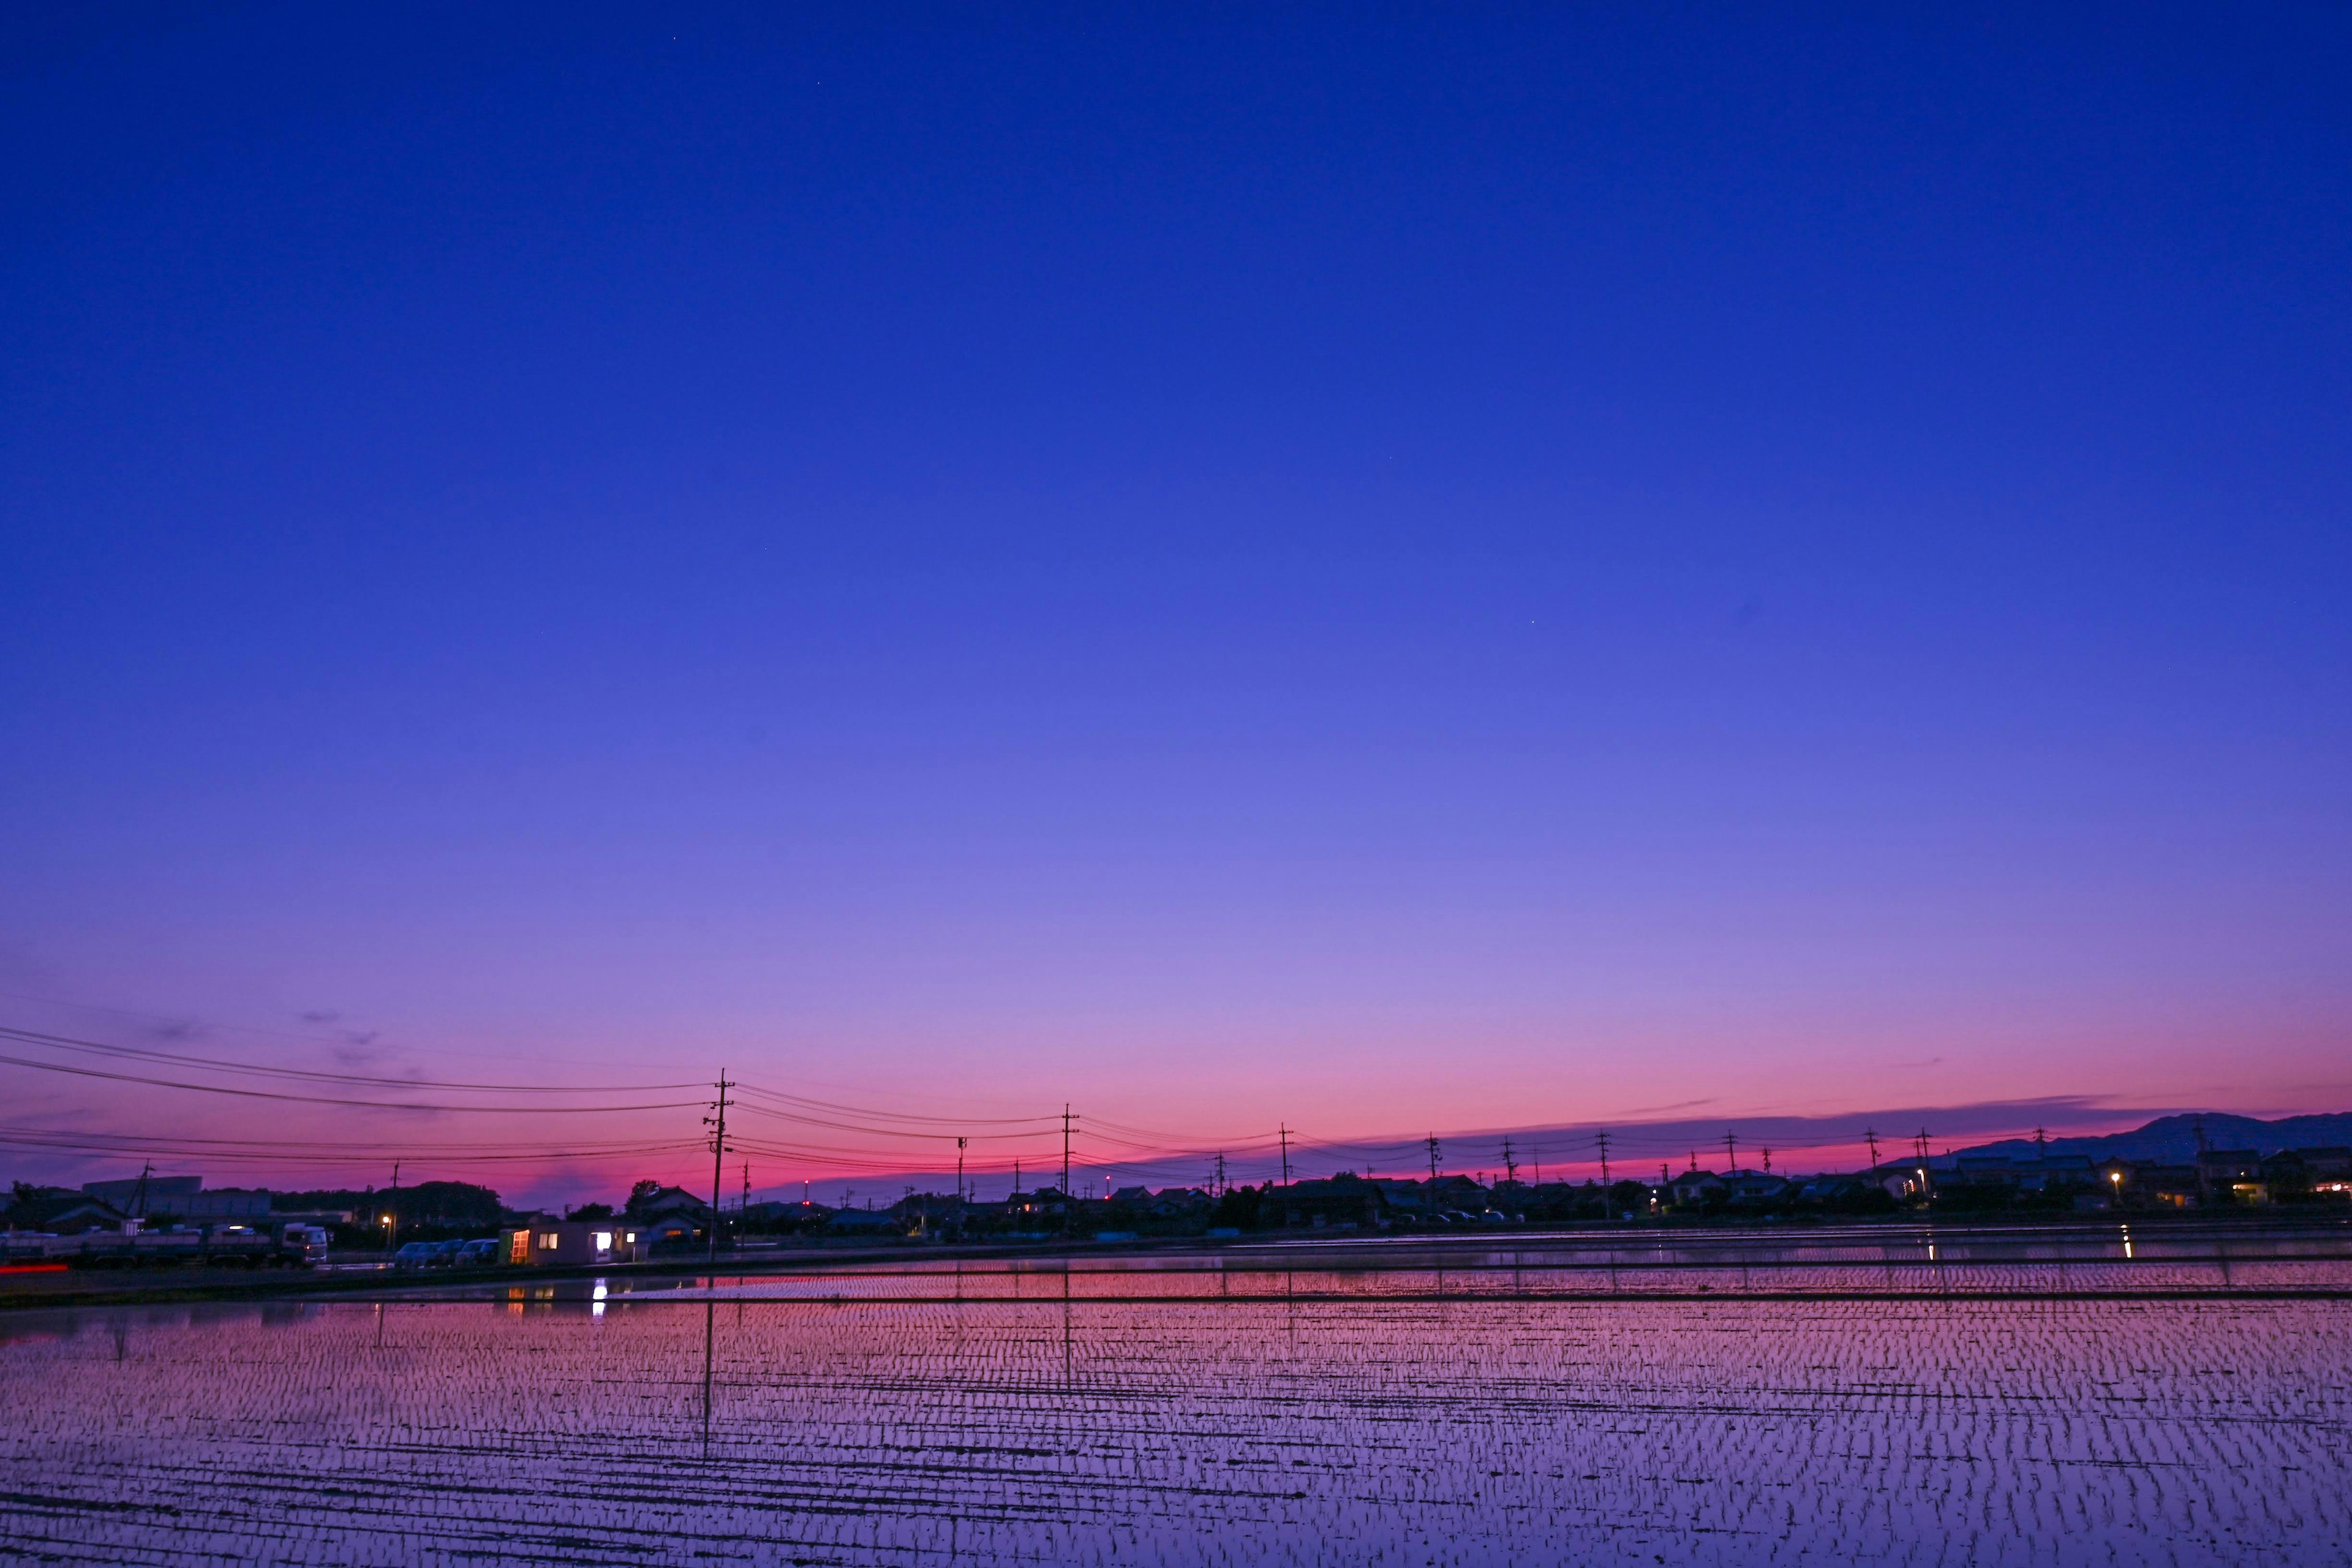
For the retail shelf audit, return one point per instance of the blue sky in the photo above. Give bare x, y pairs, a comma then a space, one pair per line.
1197, 556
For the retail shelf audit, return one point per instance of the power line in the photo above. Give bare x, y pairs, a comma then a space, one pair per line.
316, 1075
331, 1100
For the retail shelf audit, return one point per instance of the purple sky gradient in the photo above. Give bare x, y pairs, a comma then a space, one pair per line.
1438, 572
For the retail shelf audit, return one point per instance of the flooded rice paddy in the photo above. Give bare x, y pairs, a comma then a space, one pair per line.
1233, 1412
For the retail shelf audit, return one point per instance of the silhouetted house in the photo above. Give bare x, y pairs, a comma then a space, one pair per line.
2233, 1174
1045, 1204
1756, 1189
1832, 1189
1343, 1199
181, 1197
2331, 1163
1457, 1194
2168, 1186
56, 1211
1988, 1170
1694, 1187
669, 1233
2295, 1172
2055, 1173
2223, 1166
1908, 1182
864, 1222
1179, 1203
671, 1201
926, 1213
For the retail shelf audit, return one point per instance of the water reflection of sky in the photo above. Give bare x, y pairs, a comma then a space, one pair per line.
1094, 1417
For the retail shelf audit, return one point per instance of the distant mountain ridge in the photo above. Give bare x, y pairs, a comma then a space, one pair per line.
2172, 1140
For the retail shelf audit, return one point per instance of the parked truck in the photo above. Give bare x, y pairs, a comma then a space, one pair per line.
291, 1246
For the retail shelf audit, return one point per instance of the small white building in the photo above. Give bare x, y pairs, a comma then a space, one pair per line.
556, 1243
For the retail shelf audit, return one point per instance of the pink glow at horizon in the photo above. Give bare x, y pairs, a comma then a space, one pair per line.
1662, 1107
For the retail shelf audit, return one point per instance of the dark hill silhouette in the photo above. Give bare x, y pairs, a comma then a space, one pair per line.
2172, 1140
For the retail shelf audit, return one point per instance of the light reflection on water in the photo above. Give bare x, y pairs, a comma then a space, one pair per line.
1042, 1412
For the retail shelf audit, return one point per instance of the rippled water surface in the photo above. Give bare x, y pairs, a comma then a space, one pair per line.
1254, 1417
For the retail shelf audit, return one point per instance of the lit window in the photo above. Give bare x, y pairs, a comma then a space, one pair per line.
548, 1242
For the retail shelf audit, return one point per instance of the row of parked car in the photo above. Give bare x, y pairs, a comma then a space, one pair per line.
475, 1254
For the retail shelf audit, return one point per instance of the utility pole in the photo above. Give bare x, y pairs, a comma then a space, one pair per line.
719, 1150
139, 1198
1605, 1156
2204, 1187
1731, 1151
1768, 1162
1510, 1166
1221, 1174
1284, 1131
1433, 1158
747, 1192
1536, 1149
1871, 1137
395, 1206
1067, 1218
959, 1144
2040, 1144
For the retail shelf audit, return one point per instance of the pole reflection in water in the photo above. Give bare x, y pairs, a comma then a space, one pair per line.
709, 1335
